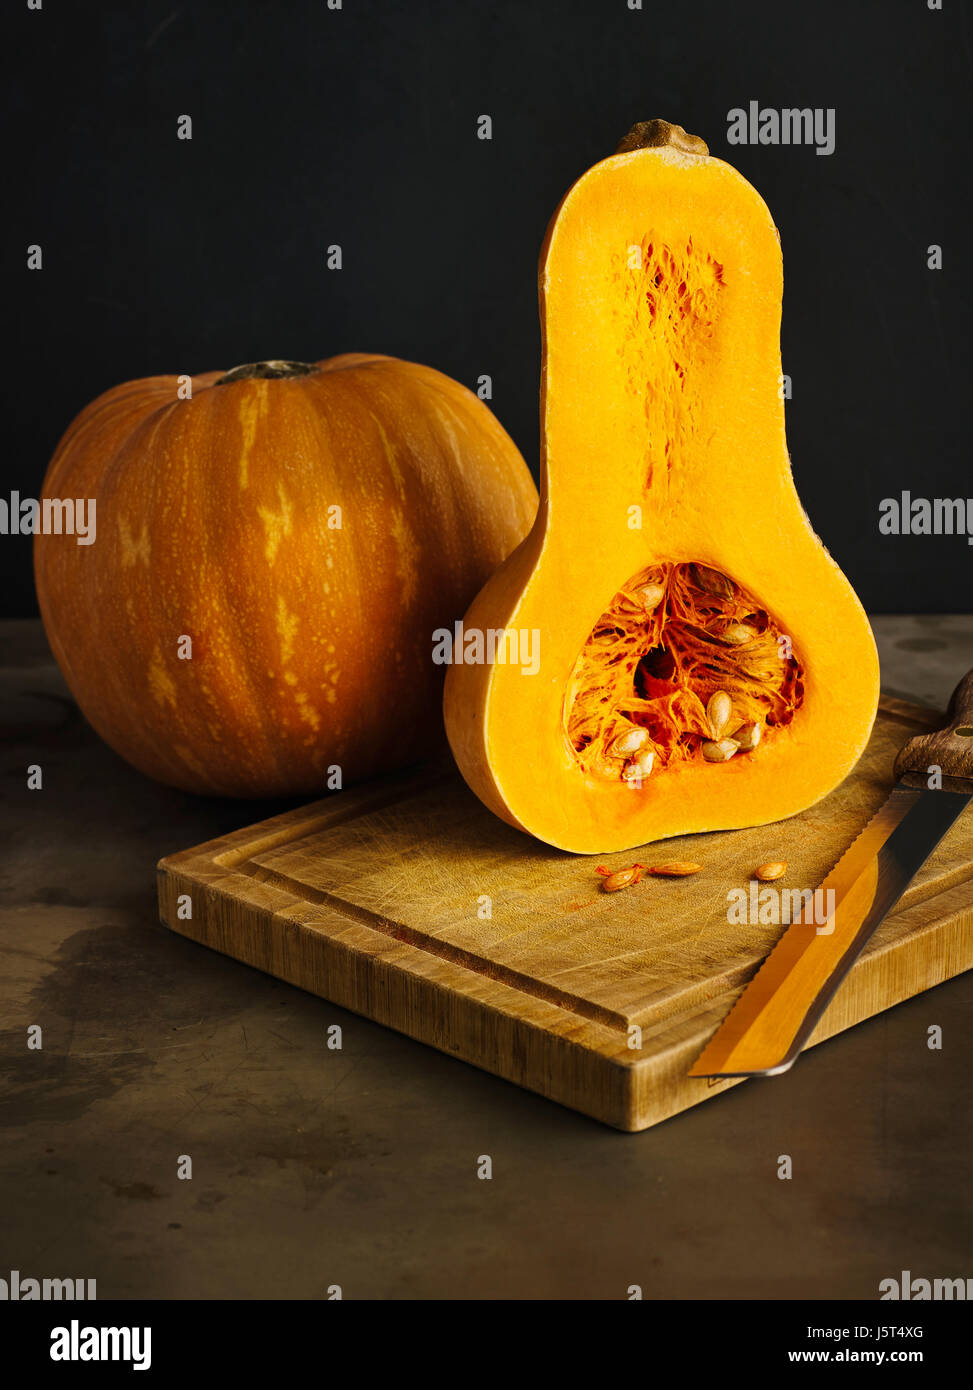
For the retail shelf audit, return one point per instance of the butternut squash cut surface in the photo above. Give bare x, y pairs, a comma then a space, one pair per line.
701, 661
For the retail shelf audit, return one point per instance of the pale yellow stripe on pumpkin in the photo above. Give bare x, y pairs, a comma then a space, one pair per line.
132, 550
389, 449
406, 558
401, 534
161, 684
120, 617
286, 630
307, 711
448, 418
332, 674
276, 524
507, 502
253, 407
236, 666
465, 522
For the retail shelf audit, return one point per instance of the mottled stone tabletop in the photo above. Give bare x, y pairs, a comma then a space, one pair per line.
313, 1168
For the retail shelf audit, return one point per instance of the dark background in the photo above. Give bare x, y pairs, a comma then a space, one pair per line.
358, 126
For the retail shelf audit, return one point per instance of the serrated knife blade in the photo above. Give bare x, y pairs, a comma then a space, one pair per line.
764, 1032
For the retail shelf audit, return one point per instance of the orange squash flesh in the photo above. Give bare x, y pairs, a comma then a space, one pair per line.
663, 455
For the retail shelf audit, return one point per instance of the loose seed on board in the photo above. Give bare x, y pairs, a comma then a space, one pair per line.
719, 709
735, 634
776, 868
678, 869
720, 752
628, 743
747, 736
621, 878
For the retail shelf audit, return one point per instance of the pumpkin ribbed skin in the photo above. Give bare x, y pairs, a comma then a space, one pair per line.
311, 645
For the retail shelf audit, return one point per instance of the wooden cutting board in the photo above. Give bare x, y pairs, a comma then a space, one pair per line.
407, 901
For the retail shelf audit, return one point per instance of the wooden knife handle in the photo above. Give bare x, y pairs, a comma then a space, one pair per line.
949, 748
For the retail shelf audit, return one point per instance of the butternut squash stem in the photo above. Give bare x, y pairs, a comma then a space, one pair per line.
646, 135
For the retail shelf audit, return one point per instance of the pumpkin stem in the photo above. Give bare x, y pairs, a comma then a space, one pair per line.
267, 370
648, 134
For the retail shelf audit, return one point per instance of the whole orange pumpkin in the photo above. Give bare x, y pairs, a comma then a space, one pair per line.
272, 555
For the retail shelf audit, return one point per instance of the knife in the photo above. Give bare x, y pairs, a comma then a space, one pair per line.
772, 1020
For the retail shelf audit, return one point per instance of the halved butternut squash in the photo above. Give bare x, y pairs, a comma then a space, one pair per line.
701, 661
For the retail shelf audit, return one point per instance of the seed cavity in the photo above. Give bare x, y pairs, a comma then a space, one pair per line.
680, 658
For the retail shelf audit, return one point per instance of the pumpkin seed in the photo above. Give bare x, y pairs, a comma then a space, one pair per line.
711, 581
719, 710
650, 596
736, 634
720, 752
678, 869
775, 868
639, 767
628, 743
748, 736
621, 878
